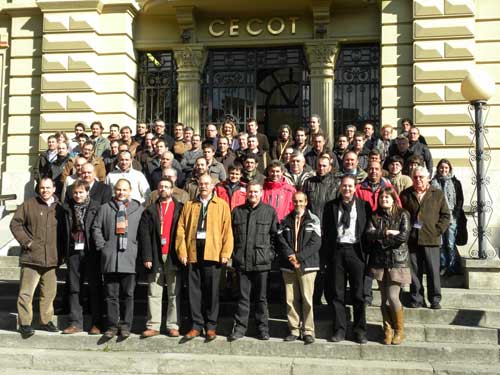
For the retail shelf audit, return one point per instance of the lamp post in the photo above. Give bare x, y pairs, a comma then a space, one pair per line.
477, 87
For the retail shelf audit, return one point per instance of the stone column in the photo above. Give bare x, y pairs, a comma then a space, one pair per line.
321, 57
190, 61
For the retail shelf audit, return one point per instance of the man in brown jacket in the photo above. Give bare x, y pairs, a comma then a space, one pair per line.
36, 226
205, 242
430, 217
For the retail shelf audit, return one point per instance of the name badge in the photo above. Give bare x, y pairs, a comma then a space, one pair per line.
79, 246
201, 235
417, 225
163, 241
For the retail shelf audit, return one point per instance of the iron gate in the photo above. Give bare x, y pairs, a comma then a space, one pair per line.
157, 88
357, 86
269, 84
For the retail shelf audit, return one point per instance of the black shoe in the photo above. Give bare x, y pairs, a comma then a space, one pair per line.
26, 331
110, 333
415, 305
124, 332
338, 336
290, 338
263, 336
360, 338
49, 327
235, 336
308, 339
436, 306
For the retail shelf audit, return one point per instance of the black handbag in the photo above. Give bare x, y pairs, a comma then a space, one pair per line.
462, 235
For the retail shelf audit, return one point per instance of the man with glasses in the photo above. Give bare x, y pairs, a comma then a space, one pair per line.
159, 130
419, 149
430, 217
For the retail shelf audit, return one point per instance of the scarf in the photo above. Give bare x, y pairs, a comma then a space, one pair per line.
121, 224
445, 184
79, 210
346, 214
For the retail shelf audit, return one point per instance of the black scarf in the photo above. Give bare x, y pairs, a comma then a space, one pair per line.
346, 213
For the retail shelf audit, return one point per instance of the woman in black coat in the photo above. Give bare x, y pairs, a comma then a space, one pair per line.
387, 232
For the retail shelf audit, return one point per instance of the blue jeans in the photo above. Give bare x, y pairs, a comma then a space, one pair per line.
449, 252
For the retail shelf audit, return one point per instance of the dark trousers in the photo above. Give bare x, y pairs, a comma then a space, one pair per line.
203, 281
429, 257
84, 266
258, 281
119, 297
347, 262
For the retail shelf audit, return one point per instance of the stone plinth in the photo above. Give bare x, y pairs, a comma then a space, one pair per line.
481, 273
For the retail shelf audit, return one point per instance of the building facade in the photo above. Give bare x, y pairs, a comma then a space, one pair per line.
121, 61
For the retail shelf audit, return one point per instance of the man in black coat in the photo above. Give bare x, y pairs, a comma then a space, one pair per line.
84, 262
255, 226
99, 191
344, 223
157, 236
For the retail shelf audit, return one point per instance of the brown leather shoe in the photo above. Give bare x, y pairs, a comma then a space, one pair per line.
192, 334
94, 331
211, 335
71, 329
150, 333
173, 333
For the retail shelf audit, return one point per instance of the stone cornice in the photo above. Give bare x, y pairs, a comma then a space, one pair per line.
72, 5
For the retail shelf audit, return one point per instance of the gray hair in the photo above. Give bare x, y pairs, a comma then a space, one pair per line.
423, 171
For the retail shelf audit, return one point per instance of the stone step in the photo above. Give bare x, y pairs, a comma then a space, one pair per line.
9, 261
466, 354
278, 328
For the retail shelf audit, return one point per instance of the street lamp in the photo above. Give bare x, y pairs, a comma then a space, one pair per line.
477, 87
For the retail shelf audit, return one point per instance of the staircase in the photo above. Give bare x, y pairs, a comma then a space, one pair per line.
461, 338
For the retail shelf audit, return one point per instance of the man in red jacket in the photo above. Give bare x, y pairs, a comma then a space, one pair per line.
277, 192
232, 190
369, 188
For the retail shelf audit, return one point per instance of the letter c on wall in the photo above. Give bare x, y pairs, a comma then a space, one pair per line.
211, 29
252, 31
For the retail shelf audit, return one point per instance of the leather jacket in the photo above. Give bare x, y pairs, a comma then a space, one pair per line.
388, 251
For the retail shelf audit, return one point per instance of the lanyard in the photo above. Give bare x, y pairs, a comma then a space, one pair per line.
162, 214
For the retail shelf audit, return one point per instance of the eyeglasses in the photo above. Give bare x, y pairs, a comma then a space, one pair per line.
418, 177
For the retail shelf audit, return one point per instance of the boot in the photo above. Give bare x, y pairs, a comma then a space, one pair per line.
388, 324
399, 331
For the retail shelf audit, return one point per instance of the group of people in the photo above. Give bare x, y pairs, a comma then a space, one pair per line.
166, 206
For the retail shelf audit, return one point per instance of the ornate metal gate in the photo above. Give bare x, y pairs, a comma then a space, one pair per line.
269, 84
357, 86
157, 88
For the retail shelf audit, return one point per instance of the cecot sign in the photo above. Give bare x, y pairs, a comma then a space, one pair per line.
253, 27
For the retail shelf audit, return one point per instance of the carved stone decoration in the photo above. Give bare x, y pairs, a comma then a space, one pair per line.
321, 54
190, 58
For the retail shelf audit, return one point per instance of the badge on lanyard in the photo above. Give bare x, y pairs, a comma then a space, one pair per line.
163, 241
79, 246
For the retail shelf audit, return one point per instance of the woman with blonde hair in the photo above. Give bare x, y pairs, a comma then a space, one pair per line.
387, 234
228, 130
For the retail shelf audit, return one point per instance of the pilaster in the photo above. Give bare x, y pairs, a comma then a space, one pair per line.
190, 60
88, 64
321, 56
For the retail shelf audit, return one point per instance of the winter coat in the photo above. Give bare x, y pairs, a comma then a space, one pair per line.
330, 222
388, 251
364, 191
255, 231
237, 198
38, 229
90, 214
150, 237
279, 196
309, 242
219, 234
106, 241
432, 212
319, 190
